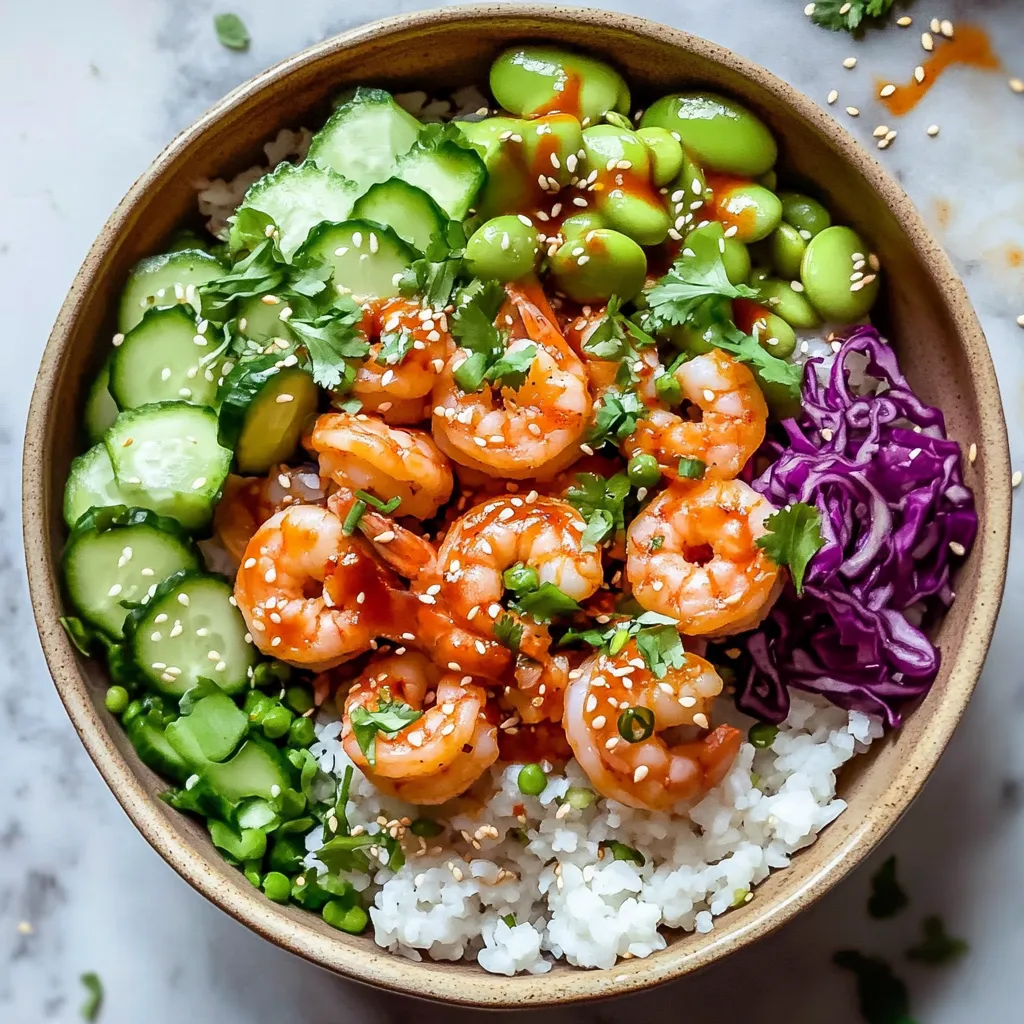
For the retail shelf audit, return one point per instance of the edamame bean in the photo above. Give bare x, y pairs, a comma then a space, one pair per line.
720, 133
751, 209
762, 735
532, 80
758, 275
835, 272
774, 335
347, 919
116, 700
625, 197
807, 215
666, 154
710, 238
503, 249
787, 250
581, 223
599, 264
793, 306
687, 196
643, 471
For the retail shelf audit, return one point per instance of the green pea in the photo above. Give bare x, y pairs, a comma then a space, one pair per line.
532, 780
301, 733
503, 249
581, 223
346, 919
751, 209
520, 578
774, 335
598, 265
668, 389
427, 828
276, 886
627, 200
116, 699
271, 675
709, 240
782, 299
804, 213
532, 80
643, 471
299, 699
787, 251
835, 271
276, 722
762, 735
666, 154
721, 134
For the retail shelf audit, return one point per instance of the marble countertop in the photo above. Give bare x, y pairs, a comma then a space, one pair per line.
89, 93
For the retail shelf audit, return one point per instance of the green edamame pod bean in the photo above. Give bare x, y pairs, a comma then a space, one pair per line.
503, 249
687, 196
793, 306
807, 215
666, 154
581, 223
532, 80
625, 196
553, 146
709, 238
599, 264
774, 335
751, 209
787, 249
835, 272
758, 275
692, 340
721, 134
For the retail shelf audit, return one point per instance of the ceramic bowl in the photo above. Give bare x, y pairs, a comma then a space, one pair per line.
924, 309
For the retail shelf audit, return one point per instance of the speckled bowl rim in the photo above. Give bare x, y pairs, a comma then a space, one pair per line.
457, 985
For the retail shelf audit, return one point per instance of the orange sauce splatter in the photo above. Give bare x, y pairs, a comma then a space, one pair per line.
1015, 257
728, 209
567, 101
942, 212
970, 46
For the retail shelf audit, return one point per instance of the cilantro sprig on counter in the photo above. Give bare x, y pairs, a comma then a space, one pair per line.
848, 15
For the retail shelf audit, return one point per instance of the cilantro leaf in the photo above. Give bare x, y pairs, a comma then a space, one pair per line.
840, 15
546, 602
390, 718
662, 648
657, 640
936, 948
601, 501
510, 370
344, 853
793, 537
329, 340
770, 369
470, 373
887, 895
489, 359
434, 277
600, 524
616, 417
508, 632
231, 31
94, 996
259, 273
394, 347
882, 996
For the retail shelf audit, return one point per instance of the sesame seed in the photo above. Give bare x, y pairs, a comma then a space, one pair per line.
641, 773
881, 130
283, 399
927, 42
832, 97
853, 111
957, 548
850, 62
946, 28
919, 74
700, 720
933, 130
886, 90
972, 453
1016, 478
809, 10
935, 25
905, 22
200, 481
1016, 85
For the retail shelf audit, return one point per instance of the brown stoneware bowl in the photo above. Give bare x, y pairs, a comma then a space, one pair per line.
924, 310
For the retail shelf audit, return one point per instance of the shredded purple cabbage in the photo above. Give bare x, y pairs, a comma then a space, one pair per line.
889, 487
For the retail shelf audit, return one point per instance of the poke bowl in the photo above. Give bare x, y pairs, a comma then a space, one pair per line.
514, 522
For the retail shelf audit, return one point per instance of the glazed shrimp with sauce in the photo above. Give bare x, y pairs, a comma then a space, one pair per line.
733, 415
691, 554
647, 771
312, 596
439, 754
534, 430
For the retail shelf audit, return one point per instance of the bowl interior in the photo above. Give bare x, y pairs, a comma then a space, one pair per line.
923, 308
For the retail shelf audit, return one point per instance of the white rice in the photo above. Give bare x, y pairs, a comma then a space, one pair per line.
569, 902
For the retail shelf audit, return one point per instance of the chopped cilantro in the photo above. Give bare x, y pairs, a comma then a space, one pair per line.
510, 370
882, 996
691, 280
657, 640
329, 340
394, 347
546, 602
601, 501
510, 920
434, 277
936, 948
508, 632
600, 524
261, 272
390, 718
620, 851
94, 996
489, 357
848, 15
656, 543
231, 31
345, 853
616, 417
887, 895
793, 537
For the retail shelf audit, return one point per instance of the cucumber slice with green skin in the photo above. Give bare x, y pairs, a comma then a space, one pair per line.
116, 557
211, 732
166, 280
100, 408
296, 199
91, 484
450, 175
407, 210
262, 321
160, 360
166, 457
364, 137
175, 636
264, 409
256, 770
367, 258
154, 750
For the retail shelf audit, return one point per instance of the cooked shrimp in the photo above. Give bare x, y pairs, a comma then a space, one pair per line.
359, 451
521, 433
437, 756
732, 420
409, 347
249, 501
311, 595
648, 772
691, 554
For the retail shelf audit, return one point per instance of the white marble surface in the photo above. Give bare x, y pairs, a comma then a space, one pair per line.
89, 92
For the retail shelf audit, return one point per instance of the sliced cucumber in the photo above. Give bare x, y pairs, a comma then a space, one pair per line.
364, 137
91, 484
161, 360
260, 321
407, 210
167, 280
367, 258
190, 630
256, 770
450, 175
150, 743
210, 732
166, 457
296, 199
100, 407
264, 409
116, 557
